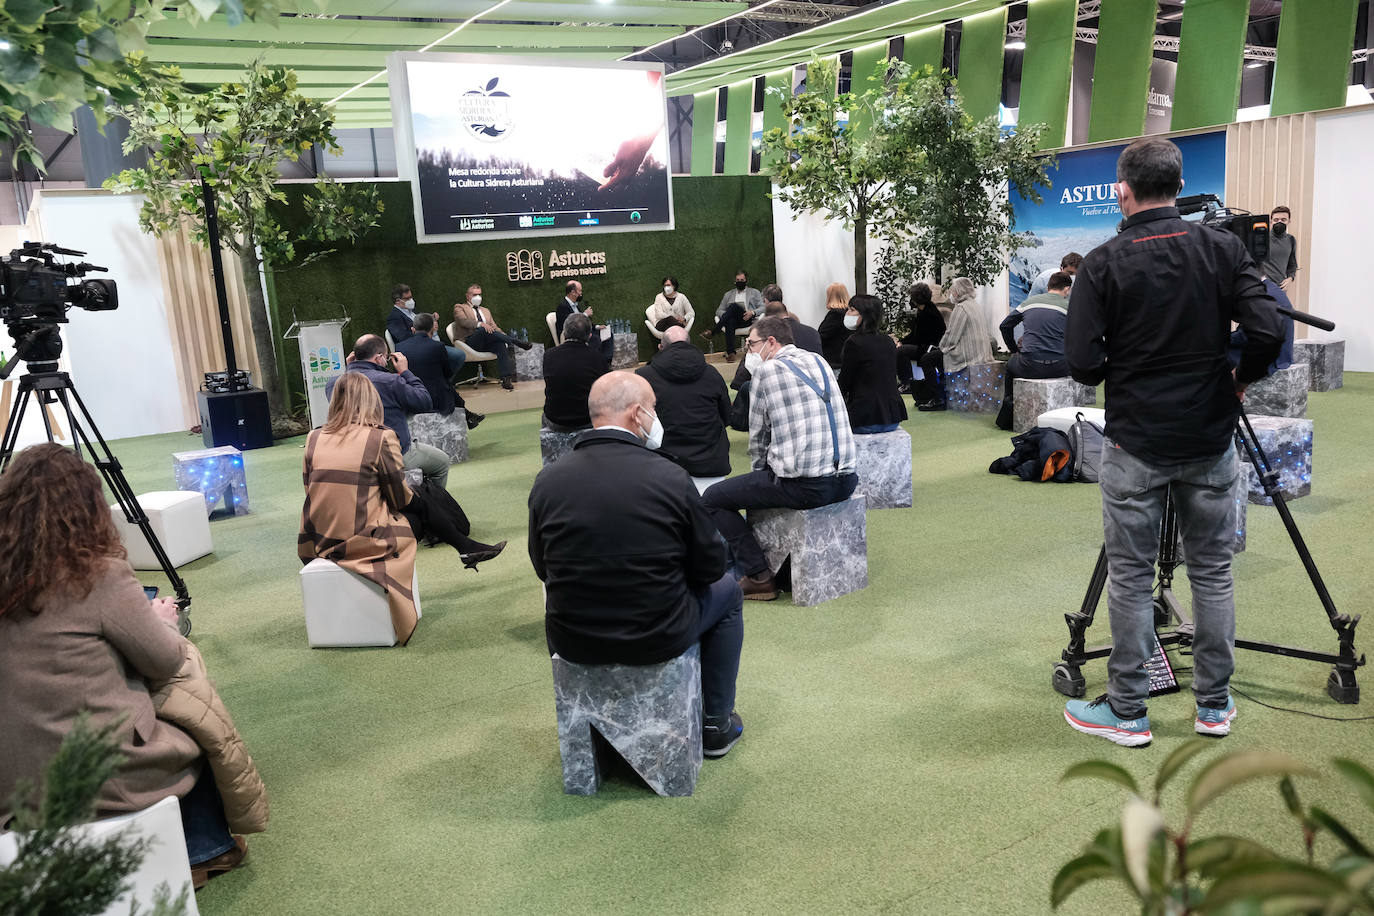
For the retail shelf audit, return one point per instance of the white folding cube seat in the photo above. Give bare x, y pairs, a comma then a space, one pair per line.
178, 519
705, 483
344, 609
1062, 418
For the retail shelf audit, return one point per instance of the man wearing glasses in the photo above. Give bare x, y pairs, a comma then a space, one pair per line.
800, 446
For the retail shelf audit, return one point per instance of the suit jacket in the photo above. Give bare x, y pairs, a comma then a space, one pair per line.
92, 653
561, 311
429, 362
569, 371
398, 325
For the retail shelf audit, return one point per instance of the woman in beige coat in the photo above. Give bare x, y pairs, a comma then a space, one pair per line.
78, 633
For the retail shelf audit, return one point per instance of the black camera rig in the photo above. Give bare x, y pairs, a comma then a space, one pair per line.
1253, 230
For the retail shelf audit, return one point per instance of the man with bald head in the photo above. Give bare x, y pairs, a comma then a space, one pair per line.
693, 405
633, 568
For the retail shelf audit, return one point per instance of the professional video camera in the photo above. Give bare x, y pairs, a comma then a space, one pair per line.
37, 290
1251, 229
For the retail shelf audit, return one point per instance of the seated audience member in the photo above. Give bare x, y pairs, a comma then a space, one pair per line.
833, 331
400, 324
927, 327
430, 364
966, 341
694, 405
670, 308
570, 369
800, 445
738, 308
402, 394
357, 504
1067, 264
486, 336
1041, 351
633, 567
868, 371
78, 634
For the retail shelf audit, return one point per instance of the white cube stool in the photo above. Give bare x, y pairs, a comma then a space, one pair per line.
344, 609
178, 519
705, 483
1061, 418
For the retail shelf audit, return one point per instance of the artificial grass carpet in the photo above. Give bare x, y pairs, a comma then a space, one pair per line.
902, 746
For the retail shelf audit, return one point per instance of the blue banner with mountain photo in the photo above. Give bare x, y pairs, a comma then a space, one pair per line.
1080, 210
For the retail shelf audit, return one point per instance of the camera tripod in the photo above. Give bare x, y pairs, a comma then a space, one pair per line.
1341, 686
46, 384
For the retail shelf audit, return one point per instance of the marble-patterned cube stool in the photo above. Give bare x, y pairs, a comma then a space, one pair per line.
1287, 443
414, 477
1325, 362
554, 445
178, 521
626, 355
1033, 396
218, 475
342, 609
449, 434
529, 364
828, 547
649, 714
1283, 394
976, 388
884, 469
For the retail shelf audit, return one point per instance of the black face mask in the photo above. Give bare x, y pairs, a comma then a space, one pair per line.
1280, 229
741, 284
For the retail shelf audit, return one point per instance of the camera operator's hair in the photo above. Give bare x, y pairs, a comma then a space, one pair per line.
1072, 259
776, 327
772, 293
1153, 168
354, 402
920, 295
369, 346
1281, 209
398, 291
1059, 280
56, 530
577, 327
870, 309
424, 323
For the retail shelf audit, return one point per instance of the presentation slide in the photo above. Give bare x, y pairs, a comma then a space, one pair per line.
502, 147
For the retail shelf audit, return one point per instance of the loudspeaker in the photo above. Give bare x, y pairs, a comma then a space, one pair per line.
237, 418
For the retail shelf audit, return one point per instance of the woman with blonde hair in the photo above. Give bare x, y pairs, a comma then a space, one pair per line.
833, 329
358, 507
967, 341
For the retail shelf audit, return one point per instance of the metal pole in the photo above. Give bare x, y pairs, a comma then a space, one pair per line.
207, 194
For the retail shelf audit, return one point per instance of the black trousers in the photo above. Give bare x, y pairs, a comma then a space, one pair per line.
1022, 366
764, 490
434, 513
932, 387
730, 321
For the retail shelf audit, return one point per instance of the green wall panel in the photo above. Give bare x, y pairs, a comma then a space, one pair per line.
925, 48
739, 127
723, 224
772, 106
1210, 54
704, 133
1121, 75
865, 60
1047, 67
1313, 66
980, 62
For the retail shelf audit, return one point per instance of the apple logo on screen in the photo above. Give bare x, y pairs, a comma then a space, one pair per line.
486, 112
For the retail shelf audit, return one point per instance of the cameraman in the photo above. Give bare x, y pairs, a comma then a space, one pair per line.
1151, 313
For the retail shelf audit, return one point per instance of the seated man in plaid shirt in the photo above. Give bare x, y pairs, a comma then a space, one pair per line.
800, 445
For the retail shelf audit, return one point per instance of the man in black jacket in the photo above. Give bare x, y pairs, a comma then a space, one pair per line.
430, 363
694, 405
1151, 314
633, 567
569, 371
571, 304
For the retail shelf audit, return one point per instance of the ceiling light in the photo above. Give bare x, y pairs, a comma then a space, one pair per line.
1016, 44
4, 45
1254, 65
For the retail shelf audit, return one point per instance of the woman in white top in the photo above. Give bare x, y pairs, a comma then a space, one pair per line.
670, 307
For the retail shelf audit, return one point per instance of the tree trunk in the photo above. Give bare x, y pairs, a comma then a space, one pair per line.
263, 341
860, 256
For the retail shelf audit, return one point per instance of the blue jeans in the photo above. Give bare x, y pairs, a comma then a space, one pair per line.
202, 819
721, 634
874, 428
1133, 494
764, 490
456, 358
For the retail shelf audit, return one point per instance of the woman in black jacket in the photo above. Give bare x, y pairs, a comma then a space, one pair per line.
868, 371
926, 332
832, 327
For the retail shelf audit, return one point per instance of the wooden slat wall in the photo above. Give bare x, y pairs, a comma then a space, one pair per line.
193, 315
1270, 162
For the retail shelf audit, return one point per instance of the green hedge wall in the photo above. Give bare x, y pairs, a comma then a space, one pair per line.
723, 224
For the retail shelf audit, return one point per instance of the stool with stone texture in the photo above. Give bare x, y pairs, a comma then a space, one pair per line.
449, 434
884, 469
827, 547
650, 715
1325, 362
1033, 396
1287, 443
554, 445
976, 388
1283, 394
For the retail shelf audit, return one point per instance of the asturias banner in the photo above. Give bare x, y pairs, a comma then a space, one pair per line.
1080, 210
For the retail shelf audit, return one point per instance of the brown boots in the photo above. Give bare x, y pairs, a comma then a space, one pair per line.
225, 861
759, 588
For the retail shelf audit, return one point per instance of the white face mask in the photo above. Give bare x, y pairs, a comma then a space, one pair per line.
411, 304
477, 300
753, 362
851, 322
653, 439
667, 290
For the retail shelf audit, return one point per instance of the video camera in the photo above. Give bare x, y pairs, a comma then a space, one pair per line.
36, 292
1252, 230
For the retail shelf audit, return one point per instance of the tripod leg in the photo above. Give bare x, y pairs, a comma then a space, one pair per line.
1068, 674
15, 423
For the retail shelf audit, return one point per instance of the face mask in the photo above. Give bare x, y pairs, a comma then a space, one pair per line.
653, 439
741, 284
477, 299
667, 290
1280, 229
753, 362
411, 304
851, 322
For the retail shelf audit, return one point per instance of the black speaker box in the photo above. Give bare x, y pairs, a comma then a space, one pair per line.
237, 418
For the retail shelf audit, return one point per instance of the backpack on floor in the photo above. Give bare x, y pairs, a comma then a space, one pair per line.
1085, 440
1040, 454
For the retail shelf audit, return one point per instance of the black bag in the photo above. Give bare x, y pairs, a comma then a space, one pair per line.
434, 514
1085, 439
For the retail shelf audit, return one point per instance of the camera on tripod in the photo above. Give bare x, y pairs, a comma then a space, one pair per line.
36, 292
1251, 229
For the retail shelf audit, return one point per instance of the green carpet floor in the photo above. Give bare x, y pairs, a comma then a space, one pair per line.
903, 745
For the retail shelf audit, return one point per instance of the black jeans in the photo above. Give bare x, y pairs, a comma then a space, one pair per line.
498, 343
730, 321
1022, 366
764, 490
933, 385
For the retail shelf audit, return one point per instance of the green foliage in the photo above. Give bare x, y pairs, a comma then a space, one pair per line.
1171, 871
62, 54
58, 872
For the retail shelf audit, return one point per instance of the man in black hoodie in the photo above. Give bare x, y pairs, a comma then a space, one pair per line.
693, 404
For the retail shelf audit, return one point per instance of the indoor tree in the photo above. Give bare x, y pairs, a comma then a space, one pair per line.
232, 137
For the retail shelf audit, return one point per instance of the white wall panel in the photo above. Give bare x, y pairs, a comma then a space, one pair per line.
1341, 273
